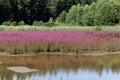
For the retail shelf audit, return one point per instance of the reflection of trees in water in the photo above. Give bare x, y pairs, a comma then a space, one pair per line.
54, 69
101, 64
4, 73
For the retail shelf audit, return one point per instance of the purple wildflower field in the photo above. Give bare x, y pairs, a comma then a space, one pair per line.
59, 41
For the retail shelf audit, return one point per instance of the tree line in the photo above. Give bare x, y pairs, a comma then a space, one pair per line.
102, 12
52, 12
35, 10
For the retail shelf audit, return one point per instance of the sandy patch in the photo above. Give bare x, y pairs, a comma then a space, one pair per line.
97, 53
91, 53
21, 69
1, 62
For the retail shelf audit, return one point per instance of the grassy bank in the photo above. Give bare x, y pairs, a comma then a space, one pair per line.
11, 28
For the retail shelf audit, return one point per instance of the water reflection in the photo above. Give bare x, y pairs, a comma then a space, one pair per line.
75, 72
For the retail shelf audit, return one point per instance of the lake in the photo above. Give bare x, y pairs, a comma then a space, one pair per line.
70, 71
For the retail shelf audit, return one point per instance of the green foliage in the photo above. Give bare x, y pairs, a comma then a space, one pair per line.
107, 12
71, 16
86, 17
38, 23
83, 2
98, 28
6, 23
50, 22
62, 17
35, 10
35, 23
67, 4
97, 12
79, 14
14, 23
21, 23
103, 12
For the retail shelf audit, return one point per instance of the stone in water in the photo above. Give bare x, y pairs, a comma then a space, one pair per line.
1, 62
21, 69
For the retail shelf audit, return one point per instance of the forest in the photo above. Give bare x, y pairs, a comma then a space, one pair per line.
75, 12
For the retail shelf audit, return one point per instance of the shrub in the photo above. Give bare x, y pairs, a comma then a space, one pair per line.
6, 23
62, 17
41, 23
13, 23
50, 22
38, 23
21, 23
35, 23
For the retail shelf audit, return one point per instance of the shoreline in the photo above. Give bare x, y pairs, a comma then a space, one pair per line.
92, 53
51, 59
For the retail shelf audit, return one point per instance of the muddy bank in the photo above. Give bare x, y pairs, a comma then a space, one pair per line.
91, 53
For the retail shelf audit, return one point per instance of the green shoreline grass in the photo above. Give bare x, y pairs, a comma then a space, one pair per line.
27, 27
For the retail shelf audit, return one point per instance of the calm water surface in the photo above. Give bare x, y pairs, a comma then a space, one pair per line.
61, 73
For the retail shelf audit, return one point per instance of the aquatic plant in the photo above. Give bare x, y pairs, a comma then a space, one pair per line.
59, 41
